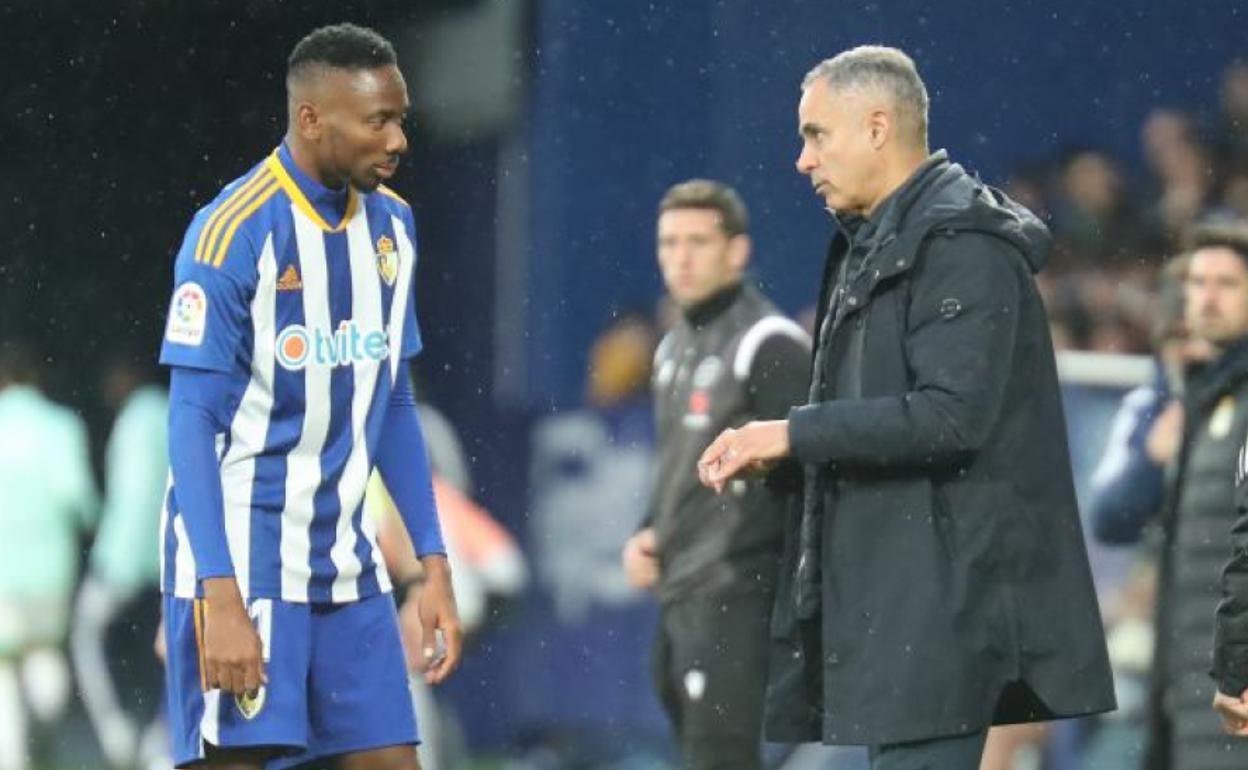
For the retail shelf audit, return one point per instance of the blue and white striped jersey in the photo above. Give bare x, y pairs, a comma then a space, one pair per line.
315, 320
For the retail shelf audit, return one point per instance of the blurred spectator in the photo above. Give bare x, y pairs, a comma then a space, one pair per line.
47, 497
585, 630
1095, 225
619, 362
1128, 486
1231, 138
1183, 173
123, 577
1234, 202
591, 470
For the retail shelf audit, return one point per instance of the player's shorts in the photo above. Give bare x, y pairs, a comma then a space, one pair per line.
337, 683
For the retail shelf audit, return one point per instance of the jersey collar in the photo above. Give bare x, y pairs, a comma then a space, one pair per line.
317, 202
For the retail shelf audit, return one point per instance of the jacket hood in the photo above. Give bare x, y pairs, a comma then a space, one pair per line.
942, 196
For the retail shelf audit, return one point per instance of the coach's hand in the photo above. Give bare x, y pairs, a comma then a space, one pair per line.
1234, 713
233, 654
641, 562
752, 448
438, 613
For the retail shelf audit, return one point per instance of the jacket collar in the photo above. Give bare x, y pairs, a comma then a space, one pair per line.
712, 307
900, 216
1214, 380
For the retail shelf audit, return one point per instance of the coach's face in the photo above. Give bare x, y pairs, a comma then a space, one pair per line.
1215, 298
362, 114
696, 256
837, 149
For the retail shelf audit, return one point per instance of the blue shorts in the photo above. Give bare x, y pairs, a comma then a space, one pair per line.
337, 683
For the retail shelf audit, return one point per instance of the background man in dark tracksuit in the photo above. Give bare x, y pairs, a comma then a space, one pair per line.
1214, 508
938, 581
730, 358
1194, 441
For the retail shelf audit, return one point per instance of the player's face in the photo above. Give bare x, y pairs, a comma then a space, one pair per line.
695, 255
1216, 295
837, 153
363, 113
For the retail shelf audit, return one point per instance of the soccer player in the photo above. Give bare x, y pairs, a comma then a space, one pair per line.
289, 335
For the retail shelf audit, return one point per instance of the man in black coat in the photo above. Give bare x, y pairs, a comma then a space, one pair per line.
936, 581
730, 358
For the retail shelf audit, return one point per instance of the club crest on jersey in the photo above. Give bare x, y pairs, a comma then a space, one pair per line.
299, 347
248, 705
708, 372
387, 260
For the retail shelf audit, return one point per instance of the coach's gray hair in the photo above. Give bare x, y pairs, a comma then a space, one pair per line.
881, 68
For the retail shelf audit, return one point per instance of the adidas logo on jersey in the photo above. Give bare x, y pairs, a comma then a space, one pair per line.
290, 280
299, 347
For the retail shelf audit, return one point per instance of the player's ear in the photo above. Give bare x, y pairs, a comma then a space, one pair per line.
308, 121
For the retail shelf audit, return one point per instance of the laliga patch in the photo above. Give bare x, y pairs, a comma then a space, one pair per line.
387, 260
188, 315
250, 706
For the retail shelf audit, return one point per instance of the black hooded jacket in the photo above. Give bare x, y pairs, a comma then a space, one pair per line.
935, 578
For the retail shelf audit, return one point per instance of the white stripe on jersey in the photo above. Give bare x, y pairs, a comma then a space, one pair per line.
250, 426
183, 560
303, 464
366, 310
402, 293
165, 516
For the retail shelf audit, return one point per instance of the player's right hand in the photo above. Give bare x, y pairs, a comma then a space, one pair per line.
641, 562
233, 653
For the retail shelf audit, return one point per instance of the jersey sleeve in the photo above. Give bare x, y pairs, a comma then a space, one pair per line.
411, 344
209, 311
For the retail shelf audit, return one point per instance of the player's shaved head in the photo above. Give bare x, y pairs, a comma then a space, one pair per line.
341, 47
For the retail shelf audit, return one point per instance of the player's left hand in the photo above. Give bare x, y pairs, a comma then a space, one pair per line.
1234, 713
438, 613
752, 448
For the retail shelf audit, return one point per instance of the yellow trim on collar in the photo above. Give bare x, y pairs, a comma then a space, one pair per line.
274, 164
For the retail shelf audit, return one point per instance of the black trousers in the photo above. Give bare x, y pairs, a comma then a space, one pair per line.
710, 671
959, 752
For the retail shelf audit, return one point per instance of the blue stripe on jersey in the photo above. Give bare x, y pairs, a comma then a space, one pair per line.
171, 542
339, 441
285, 428
379, 225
